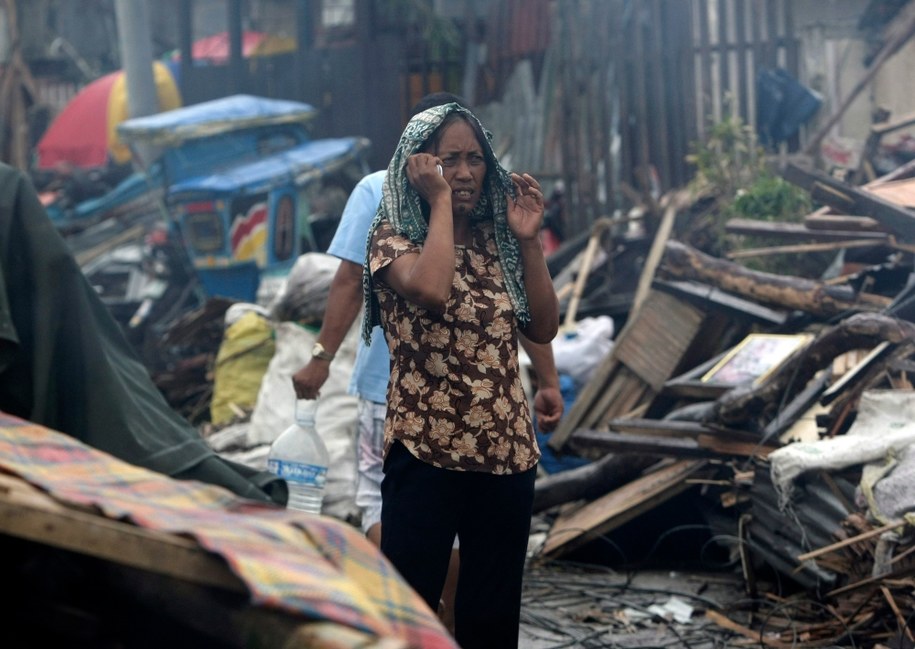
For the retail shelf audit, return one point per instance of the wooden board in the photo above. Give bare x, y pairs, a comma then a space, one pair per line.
27, 513
618, 507
900, 192
664, 329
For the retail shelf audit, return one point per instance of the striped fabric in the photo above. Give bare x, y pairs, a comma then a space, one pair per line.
313, 566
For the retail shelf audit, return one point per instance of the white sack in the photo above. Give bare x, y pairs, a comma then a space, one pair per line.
579, 352
885, 425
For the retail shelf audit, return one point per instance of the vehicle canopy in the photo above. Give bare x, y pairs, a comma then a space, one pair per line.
172, 128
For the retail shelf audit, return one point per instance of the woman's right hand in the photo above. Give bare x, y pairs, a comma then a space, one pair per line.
423, 172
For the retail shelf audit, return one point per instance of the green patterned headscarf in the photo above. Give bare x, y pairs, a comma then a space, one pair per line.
402, 207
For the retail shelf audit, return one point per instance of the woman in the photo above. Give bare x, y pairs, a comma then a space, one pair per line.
454, 271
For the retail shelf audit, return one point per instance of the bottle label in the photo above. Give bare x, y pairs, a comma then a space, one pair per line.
305, 474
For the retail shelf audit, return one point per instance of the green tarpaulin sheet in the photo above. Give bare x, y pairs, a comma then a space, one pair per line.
65, 363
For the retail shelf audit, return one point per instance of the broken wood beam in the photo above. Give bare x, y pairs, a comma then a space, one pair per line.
645, 354
790, 292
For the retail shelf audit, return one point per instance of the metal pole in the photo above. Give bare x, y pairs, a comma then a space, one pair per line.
136, 55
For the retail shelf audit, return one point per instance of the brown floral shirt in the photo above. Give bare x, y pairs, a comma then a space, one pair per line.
455, 398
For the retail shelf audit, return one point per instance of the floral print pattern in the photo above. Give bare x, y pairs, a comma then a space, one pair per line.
455, 398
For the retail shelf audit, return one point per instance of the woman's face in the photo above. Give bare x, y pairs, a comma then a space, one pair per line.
463, 164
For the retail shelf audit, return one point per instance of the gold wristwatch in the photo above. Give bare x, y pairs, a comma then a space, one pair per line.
318, 351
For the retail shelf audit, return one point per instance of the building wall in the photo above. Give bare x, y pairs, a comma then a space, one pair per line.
834, 53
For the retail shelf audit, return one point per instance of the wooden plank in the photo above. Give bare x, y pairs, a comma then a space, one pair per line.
674, 204
743, 75
841, 222
634, 396
673, 428
877, 354
844, 543
652, 348
656, 305
583, 402
720, 446
659, 85
589, 442
642, 128
797, 231
705, 58
592, 442
787, 416
27, 513
622, 380
772, 44
805, 248
757, 637
724, 54
135, 233
619, 506
584, 270
899, 192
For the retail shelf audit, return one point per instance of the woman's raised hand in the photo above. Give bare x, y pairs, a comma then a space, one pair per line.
423, 172
525, 212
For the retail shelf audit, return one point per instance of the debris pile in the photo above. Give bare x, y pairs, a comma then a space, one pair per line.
782, 404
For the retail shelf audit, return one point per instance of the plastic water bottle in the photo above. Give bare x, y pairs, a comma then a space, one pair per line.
299, 456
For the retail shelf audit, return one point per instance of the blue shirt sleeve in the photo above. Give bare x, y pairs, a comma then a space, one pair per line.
349, 242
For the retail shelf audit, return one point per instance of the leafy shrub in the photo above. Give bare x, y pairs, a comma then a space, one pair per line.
732, 171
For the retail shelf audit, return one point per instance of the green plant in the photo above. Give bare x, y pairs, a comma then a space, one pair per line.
732, 170
728, 159
771, 198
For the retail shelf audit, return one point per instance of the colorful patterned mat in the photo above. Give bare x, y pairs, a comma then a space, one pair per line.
313, 566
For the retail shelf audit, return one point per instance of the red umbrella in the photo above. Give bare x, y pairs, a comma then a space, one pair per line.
84, 132
79, 133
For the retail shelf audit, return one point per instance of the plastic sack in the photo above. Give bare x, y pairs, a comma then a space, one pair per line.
884, 426
579, 352
337, 412
244, 354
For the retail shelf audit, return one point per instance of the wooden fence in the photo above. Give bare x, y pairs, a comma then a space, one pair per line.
643, 80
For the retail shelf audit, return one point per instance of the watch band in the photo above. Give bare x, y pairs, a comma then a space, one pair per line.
318, 351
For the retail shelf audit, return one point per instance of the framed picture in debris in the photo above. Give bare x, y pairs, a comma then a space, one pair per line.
755, 358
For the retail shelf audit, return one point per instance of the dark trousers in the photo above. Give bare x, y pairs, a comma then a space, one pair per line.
423, 507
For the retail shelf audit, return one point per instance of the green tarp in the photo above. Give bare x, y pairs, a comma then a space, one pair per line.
65, 363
